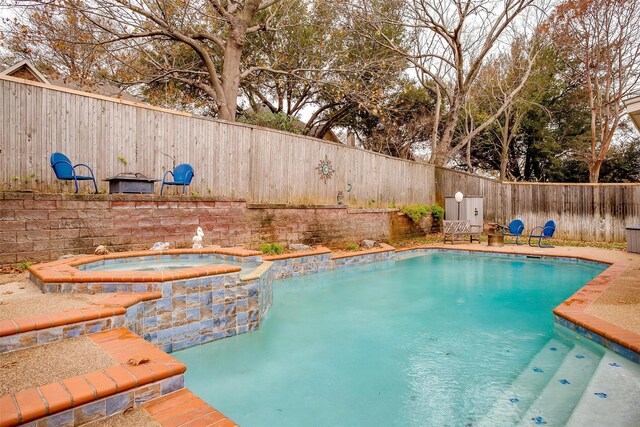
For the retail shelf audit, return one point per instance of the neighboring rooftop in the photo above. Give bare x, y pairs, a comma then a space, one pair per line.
633, 109
26, 70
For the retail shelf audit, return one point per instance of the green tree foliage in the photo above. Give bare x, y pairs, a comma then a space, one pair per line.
267, 119
318, 63
59, 41
401, 128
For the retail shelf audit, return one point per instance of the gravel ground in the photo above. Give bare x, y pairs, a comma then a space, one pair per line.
53, 362
13, 277
19, 297
620, 304
137, 417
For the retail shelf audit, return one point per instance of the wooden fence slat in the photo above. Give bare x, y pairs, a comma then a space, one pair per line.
267, 166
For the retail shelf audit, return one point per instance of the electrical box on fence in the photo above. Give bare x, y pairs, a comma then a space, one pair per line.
471, 209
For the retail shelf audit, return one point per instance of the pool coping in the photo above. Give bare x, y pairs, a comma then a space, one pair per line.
184, 407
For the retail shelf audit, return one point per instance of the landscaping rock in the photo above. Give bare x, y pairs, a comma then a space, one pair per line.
299, 247
160, 246
368, 244
101, 250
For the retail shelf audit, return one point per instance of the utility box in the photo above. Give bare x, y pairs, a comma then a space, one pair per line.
633, 239
471, 209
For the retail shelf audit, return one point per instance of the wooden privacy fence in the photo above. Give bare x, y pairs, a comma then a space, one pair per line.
230, 159
266, 166
588, 212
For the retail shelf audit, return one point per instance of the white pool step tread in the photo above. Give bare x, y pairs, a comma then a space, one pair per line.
538, 373
619, 379
556, 401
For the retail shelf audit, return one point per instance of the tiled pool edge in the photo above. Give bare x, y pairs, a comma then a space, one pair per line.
100, 394
322, 259
183, 407
69, 275
585, 331
571, 313
103, 315
201, 310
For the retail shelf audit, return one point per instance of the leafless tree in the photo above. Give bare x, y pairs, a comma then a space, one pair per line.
496, 82
211, 33
450, 42
601, 40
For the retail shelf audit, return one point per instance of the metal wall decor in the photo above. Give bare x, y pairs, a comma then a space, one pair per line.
325, 169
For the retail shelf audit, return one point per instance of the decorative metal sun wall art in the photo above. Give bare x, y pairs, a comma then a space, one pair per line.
325, 169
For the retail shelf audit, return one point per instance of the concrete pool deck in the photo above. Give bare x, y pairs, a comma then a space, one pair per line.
608, 306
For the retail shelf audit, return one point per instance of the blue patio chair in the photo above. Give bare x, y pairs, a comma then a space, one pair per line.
545, 232
515, 229
65, 170
182, 175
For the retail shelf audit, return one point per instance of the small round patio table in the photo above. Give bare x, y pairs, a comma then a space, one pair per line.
495, 240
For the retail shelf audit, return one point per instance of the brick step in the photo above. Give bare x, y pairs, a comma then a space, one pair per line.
98, 394
184, 409
108, 313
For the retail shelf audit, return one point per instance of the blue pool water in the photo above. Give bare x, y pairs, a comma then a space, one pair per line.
433, 340
162, 263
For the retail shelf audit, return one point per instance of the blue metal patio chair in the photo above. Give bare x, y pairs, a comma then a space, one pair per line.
545, 232
65, 170
182, 175
515, 229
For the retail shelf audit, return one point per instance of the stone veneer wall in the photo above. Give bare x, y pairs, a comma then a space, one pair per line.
198, 311
291, 267
191, 312
42, 227
58, 333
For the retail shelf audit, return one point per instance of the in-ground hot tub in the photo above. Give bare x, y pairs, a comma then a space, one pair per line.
200, 294
165, 263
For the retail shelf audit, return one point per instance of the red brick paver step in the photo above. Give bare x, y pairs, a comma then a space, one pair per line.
112, 305
122, 344
184, 409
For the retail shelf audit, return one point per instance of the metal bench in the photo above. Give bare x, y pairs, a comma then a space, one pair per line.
458, 228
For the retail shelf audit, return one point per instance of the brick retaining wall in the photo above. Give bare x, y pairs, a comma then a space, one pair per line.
42, 227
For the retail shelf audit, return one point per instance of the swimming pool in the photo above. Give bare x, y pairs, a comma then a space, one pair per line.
440, 339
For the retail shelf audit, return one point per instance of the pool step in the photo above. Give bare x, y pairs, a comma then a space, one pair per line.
113, 311
516, 400
612, 396
554, 404
185, 408
98, 394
